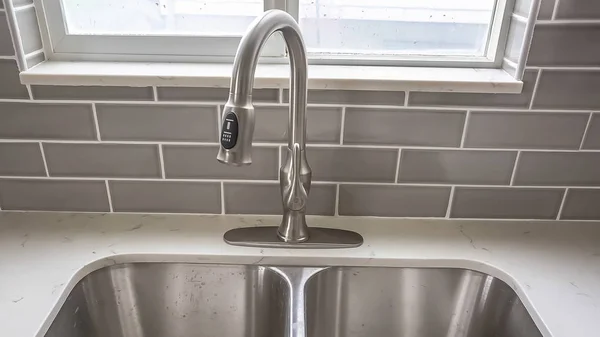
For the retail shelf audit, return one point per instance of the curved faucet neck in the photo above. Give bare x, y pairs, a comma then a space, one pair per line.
246, 59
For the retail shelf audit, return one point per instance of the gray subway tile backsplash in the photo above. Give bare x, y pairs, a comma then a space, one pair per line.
568, 90
6, 45
102, 160
592, 137
53, 195
10, 85
581, 204
200, 162
558, 169
157, 122
97, 93
442, 99
578, 9
46, 121
351, 164
456, 167
265, 198
526, 130
565, 45
358, 97
403, 127
323, 124
393, 201
507, 203
21, 159
212, 94
166, 196
467, 143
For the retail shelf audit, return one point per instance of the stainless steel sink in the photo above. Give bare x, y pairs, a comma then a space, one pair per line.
194, 300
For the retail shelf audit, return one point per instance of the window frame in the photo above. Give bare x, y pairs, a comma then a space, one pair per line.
60, 46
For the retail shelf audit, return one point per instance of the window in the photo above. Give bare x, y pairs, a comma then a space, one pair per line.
393, 32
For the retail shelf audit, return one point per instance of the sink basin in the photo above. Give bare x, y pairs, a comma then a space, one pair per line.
175, 300
411, 302
199, 300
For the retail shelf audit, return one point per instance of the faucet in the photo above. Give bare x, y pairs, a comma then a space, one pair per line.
238, 128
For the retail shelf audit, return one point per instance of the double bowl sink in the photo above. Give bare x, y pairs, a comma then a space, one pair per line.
200, 300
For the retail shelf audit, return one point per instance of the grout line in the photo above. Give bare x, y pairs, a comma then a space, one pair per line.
343, 125
161, 160
280, 160
519, 18
29, 92
337, 200
280, 93
222, 198
535, 88
587, 127
574, 22
514, 172
15, 33
110, 204
7, 57
555, 9
559, 68
314, 145
274, 181
450, 201
464, 132
155, 93
406, 94
96, 124
562, 204
24, 7
44, 160
218, 124
398, 165
34, 53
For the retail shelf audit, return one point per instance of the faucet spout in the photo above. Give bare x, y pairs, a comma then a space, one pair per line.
238, 118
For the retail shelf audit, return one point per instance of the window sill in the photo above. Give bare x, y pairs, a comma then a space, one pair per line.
273, 76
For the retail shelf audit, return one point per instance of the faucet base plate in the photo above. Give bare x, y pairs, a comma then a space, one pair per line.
319, 238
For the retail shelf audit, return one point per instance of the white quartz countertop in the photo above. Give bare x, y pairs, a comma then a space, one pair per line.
553, 266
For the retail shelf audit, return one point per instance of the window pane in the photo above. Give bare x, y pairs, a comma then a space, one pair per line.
160, 17
414, 27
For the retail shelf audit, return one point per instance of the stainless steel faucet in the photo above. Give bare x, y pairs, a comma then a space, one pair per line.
238, 128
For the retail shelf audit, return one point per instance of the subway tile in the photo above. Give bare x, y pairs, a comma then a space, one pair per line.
403, 127
578, 9
323, 124
393, 201
53, 195
558, 169
100, 93
165, 197
508, 203
565, 45
261, 198
546, 10
521, 100
581, 204
592, 138
212, 94
359, 97
522, 7
6, 45
21, 159
573, 90
456, 166
200, 162
157, 122
351, 164
29, 30
526, 130
46, 121
516, 37
102, 160
10, 85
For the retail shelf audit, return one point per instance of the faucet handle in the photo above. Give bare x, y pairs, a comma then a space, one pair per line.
296, 196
